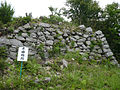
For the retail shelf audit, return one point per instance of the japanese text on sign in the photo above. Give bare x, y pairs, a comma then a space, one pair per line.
22, 54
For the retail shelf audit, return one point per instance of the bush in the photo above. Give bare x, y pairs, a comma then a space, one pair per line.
6, 13
19, 21
53, 19
56, 50
1, 24
3, 52
3, 56
40, 49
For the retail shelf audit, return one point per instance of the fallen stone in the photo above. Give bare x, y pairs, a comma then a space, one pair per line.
47, 79
37, 81
65, 63
9, 60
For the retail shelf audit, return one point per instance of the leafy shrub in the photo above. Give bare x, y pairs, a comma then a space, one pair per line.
6, 12
53, 19
3, 55
56, 49
3, 52
40, 49
11, 29
19, 21
94, 43
1, 24
72, 44
74, 55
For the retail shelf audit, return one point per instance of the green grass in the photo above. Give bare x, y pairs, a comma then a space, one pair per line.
84, 75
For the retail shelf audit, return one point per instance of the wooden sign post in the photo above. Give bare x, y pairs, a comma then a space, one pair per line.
22, 56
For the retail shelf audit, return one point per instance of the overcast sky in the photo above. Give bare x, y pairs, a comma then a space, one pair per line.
40, 7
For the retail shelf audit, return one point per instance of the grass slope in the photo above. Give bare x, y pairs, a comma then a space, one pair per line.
53, 75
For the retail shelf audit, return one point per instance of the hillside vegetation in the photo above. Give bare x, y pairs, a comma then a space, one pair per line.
67, 72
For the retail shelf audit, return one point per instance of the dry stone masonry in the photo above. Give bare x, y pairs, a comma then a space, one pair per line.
83, 40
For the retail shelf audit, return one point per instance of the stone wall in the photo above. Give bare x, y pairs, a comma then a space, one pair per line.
83, 40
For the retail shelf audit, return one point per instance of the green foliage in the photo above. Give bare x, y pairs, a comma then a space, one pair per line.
94, 43
89, 13
6, 12
3, 65
11, 29
111, 27
72, 44
54, 17
52, 10
83, 11
56, 50
3, 52
74, 55
55, 11
40, 49
19, 21
12, 78
1, 24
86, 75
3, 55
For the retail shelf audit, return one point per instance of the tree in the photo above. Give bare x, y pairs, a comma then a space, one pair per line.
111, 27
6, 12
83, 11
55, 16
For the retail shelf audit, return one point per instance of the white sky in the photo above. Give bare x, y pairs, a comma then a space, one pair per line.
40, 7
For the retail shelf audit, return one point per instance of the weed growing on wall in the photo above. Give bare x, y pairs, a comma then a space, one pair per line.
3, 52
40, 49
56, 50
